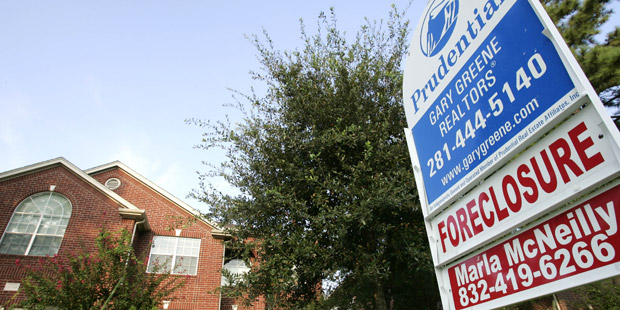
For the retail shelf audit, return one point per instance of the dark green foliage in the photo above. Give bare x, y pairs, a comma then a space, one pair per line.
599, 295
321, 162
111, 278
327, 189
580, 21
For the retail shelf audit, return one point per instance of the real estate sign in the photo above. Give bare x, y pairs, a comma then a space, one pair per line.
479, 74
575, 245
504, 129
574, 157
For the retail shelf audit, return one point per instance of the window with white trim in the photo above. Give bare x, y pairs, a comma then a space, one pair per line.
37, 226
236, 268
182, 253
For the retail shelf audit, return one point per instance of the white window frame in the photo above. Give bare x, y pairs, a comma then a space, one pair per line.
109, 183
173, 264
41, 214
236, 267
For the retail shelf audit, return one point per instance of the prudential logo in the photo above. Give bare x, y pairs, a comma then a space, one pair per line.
438, 25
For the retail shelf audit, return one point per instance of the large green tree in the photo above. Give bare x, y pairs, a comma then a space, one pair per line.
580, 22
326, 189
325, 179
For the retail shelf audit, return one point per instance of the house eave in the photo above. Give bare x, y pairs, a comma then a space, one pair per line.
136, 215
154, 187
60, 161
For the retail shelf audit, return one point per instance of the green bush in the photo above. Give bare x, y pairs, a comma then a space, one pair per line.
113, 277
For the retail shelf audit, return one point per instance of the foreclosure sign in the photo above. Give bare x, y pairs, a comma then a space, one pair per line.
580, 244
572, 158
516, 161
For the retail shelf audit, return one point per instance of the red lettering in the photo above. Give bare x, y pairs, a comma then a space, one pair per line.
528, 182
515, 206
462, 218
487, 217
473, 215
441, 227
563, 160
453, 231
550, 186
582, 145
501, 213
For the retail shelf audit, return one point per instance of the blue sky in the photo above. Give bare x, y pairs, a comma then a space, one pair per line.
99, 81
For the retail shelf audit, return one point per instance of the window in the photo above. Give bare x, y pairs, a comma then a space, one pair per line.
236, 268
112, 183
182, 253
37, 225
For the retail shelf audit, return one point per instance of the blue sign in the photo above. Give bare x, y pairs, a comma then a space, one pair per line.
515, 76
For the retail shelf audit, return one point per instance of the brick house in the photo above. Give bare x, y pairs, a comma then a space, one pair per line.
78, 203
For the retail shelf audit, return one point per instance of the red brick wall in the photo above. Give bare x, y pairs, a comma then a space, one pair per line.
200, 291
91, 210
227, 304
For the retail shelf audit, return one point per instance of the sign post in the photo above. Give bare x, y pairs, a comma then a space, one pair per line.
503, 129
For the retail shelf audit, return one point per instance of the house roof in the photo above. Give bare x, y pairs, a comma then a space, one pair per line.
117, 164
126, 209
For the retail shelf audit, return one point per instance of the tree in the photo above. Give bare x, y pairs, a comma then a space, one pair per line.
580, 21
325, 178
599, 295
111, 278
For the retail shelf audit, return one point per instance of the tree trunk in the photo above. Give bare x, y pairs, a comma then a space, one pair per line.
380, 302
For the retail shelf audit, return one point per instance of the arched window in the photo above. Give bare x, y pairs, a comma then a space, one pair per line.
37, 226
236, 268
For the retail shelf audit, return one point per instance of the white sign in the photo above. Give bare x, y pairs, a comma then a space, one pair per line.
11, 287
479, 74
504, 129
576, 245
571, 159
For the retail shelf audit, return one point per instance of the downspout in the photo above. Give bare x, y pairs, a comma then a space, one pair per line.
223, 261
135, 227
120, 282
